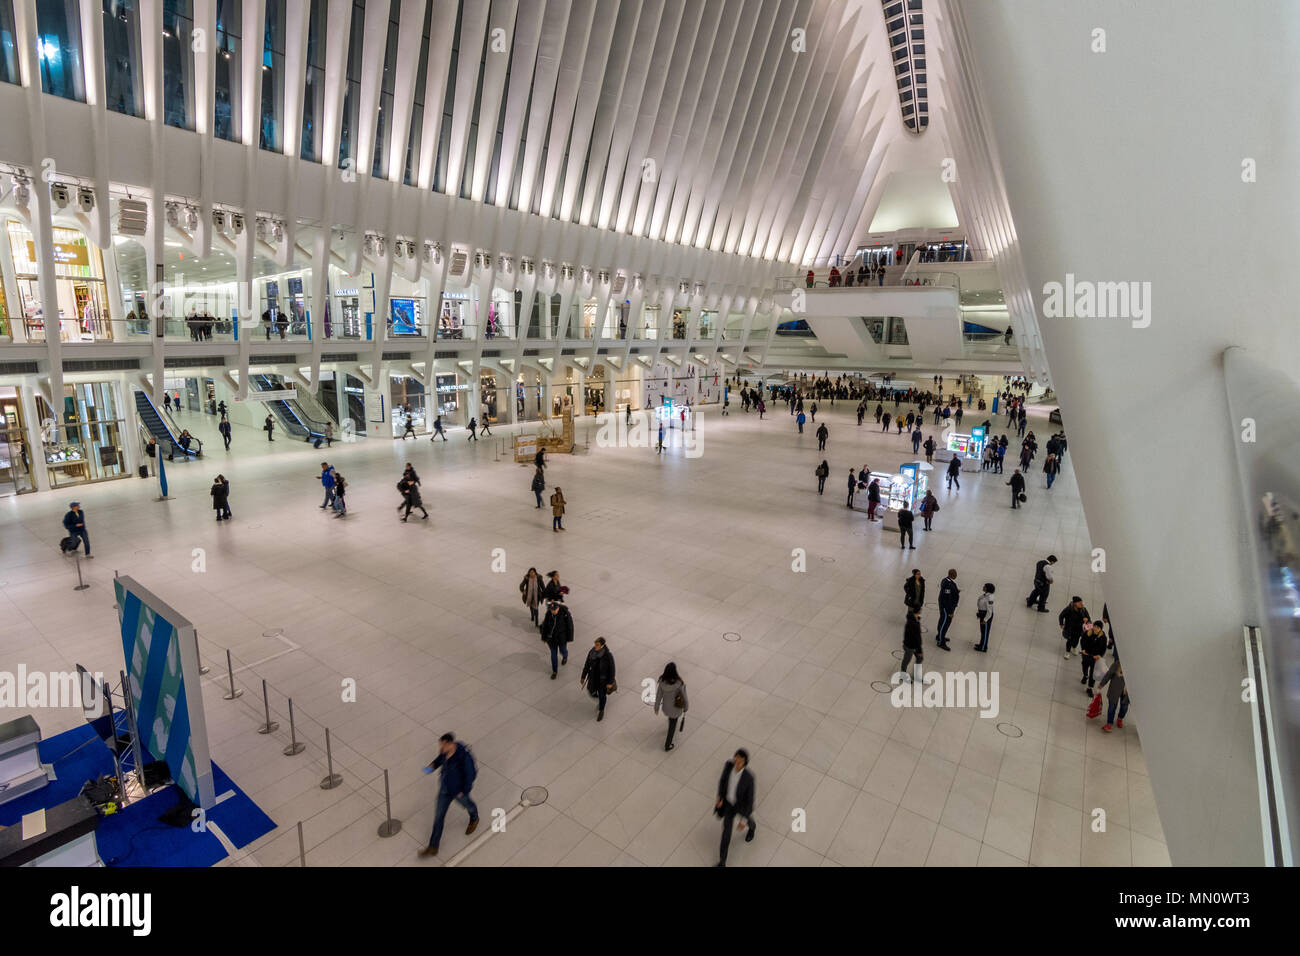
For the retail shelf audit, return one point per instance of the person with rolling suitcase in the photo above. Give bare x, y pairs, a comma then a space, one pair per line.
75, 523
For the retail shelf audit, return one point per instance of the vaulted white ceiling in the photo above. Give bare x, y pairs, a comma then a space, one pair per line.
751, 127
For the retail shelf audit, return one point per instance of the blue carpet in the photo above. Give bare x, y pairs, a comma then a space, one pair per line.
134, 836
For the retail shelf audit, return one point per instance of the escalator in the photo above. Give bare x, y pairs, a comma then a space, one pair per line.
292, 418
162, 431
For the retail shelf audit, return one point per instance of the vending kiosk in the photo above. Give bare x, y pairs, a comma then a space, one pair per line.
906, 489
969, 447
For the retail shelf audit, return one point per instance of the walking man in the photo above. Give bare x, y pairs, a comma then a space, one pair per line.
458, 773
224, 428
822, 434
853, 486
949, 596
75, 523
735, 798
327, 481
410, 428
1092, 649
1043, 577
954, 470
437, 429
905, 521
1017, 484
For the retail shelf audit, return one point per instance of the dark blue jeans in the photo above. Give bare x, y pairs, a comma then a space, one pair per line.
1122, 703
85, 537
440, 814
562, 650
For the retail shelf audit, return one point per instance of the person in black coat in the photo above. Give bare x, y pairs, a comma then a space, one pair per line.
1092, 648
914, 591
853, 486
557, 632
220, 492
74, 522
411, 497
954, 472
1017, 484
822, 434
735, 798
911, 642
269, 426
905, 520
224, 428
1072, 620
554, 590
598, 674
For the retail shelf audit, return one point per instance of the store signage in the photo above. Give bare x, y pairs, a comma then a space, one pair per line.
65, 253
453, 388
347, 292
274, 395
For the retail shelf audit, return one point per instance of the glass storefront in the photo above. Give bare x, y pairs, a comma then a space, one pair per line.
593, 391
407, 397
15, 459
528, 396
490, 409
84, 442
452, 394
79, 286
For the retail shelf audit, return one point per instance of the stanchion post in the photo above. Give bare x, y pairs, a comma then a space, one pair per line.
230, 670
81, 585
302, 848
389, 827
331, 779
203, 668
295, 746
269, 727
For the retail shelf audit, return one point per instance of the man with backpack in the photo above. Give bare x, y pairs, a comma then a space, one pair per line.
458, 774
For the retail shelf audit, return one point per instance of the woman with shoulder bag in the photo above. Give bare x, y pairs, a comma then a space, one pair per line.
530, 590
598, 675
670, 695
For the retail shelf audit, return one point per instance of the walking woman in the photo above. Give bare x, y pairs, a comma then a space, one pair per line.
557, 510
553, 590
530, 590
670, 695
220, 492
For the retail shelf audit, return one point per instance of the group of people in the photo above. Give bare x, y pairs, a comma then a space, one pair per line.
200, 326
335, 490
865, 273
949, 598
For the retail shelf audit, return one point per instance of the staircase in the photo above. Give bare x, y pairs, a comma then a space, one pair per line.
161, 431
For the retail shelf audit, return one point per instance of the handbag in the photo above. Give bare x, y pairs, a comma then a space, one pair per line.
613, 686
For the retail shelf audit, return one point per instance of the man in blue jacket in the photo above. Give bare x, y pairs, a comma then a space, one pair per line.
949, 595
75, 523
458, 773
327, 481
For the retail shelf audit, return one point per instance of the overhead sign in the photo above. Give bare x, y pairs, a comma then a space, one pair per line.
65, 253
274, 395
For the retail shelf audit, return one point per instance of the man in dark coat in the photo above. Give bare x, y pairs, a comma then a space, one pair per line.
735, 798
1017, 484
557, 632
75, 523
224, 428
598, 674
1072, 619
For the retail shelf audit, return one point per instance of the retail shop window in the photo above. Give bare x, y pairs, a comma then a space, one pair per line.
82, 306
83, 440
15, 455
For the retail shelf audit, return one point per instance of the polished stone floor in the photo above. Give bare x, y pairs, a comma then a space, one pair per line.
668, 557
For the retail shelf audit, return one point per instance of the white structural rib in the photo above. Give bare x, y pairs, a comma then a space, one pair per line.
473, 30
584, 112
501, 27
523, 60
550, 48
566, 95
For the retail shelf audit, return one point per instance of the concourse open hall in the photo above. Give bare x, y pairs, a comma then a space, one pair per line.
629, 434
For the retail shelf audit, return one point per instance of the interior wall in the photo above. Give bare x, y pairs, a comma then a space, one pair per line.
1126, 165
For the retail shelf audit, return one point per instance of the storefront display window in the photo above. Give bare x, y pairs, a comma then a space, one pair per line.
489, 408
451, 399
407, 396
79, 286
84, 441
15, 458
